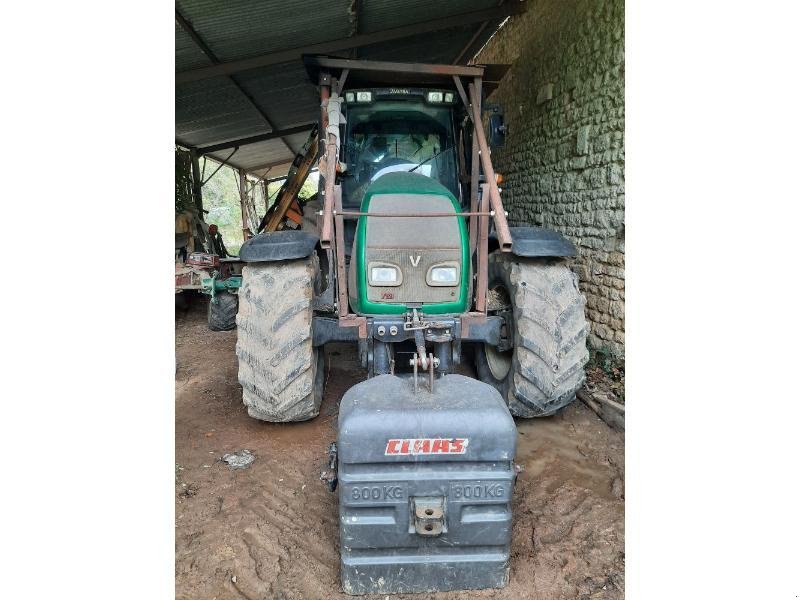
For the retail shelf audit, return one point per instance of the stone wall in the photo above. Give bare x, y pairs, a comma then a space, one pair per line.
564, 157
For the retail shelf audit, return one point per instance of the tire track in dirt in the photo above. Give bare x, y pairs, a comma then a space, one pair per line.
279, 539
290, 524
282, 514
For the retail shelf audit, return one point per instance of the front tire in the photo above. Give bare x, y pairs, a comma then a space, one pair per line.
281, 373
545, 367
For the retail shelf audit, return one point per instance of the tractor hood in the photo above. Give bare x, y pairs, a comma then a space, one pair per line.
428, 255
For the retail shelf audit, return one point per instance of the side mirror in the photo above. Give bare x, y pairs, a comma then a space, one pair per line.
497, 129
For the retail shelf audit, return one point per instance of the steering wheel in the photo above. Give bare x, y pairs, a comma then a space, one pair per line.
377, 167
392, 160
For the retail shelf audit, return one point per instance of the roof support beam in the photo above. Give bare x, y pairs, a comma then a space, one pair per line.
467, 52
470, 43
355, 14
254, 139
184, 145
382, 66
356, 41
187, 27
270, 165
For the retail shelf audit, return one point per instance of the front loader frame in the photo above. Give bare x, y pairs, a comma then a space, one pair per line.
483, 206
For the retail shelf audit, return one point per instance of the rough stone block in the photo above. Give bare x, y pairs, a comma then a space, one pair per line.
545, 93
582, 146
615, 174
578, 162
602, 142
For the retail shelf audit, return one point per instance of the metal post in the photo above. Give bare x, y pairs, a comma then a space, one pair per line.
341, 271
197, 192
483, 253
500, 222
243, 204
473, 188
481, 202
197, 183
326, 235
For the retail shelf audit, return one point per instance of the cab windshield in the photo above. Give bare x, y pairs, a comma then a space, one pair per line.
392, 136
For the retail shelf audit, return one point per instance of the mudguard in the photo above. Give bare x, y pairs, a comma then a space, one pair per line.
536, 242
278, 245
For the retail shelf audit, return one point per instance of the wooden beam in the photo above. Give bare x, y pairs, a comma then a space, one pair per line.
254, 139
356, 41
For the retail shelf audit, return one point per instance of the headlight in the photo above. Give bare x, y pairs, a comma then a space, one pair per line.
349, 96
364, 96
381, 275
443, 275
435, 96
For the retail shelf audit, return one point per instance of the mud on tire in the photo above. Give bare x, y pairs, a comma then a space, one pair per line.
281, 373
222, 311
546, 366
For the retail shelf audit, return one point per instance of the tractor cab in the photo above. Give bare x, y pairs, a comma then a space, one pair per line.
400, 151
396, 130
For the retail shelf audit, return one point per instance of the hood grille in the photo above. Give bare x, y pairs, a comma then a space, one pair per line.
409, 241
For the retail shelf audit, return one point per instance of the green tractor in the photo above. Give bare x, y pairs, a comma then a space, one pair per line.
405, 262
412, 259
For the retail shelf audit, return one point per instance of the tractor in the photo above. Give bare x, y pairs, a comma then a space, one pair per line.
413, 260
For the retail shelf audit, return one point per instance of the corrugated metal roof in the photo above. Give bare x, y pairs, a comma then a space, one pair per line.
213, 111
187, 54
438, 48
375, 15
291, 98
263, 153
227, 108
236, 29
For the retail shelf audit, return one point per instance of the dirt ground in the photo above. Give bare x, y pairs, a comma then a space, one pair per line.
271, 530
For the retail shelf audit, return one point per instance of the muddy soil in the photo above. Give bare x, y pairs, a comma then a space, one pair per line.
271, 530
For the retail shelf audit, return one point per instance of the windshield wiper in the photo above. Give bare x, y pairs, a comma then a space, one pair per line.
432, 156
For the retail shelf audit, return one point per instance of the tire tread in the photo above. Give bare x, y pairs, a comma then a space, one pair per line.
550, 335
279, 369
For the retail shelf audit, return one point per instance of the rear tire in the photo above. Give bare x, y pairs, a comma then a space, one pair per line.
545, 368
281, 373
222, 311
